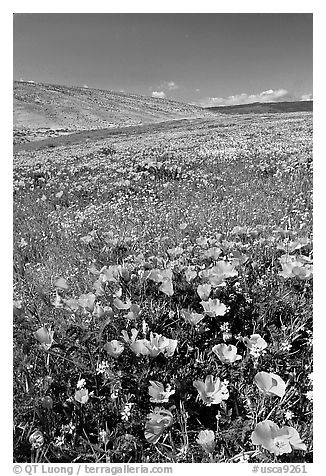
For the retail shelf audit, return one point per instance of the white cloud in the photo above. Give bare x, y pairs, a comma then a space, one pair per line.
158, 94
306, 97
172, 85
85, 86
271, 95
197, 90
165, 86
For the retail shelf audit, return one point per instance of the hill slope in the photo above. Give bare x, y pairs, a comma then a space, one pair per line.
65, 109
261, 108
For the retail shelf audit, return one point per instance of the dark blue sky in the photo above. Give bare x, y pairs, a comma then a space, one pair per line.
206, 58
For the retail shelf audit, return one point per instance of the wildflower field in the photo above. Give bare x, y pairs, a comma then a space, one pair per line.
163, 295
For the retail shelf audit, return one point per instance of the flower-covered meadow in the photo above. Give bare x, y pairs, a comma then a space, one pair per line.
163, 295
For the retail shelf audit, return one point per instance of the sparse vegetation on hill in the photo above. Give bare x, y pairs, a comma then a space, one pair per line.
44, 110
264, 108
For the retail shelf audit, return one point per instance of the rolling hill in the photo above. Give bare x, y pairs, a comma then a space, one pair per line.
45, 110
263, 108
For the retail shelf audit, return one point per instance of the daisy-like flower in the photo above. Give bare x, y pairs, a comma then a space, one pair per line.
157, 392
309, 395
102, 367
270, 384
226, 353
277, 440
212, 391
288, 415
206, 439
81, 383
126, 411
286, 346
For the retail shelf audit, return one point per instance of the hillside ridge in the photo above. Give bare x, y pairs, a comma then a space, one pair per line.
49, 110
268, 107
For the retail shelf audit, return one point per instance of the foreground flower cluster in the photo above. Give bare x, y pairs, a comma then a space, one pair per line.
156, 318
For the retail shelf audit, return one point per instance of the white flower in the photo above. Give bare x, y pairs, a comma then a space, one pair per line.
309, 395
288, 415
103, 436
126, 411
102, 367
286, 345
81, 383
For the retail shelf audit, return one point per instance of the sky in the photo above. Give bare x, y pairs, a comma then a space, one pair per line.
205, 59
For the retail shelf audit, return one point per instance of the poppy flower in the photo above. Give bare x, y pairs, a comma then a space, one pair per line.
277, 440
36, 439
18, 308
206, 439
120, 305
170, 348
167, 287
296, 266
154, 346
256, 344
159, 275
203, 291
133, 312
213, 252
86, 301
140, 347
61, 283
156, 424
212, 391
202, 241
157, 392
213, 307
192, 317
109, 274
71, 304
226, 353
159, 343
190, 274
214, 279
45, 337
82, 396
98, 311
218, 273
114, 348
270, 384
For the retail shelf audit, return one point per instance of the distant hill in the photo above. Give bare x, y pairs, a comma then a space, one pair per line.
262, 108
45, 110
